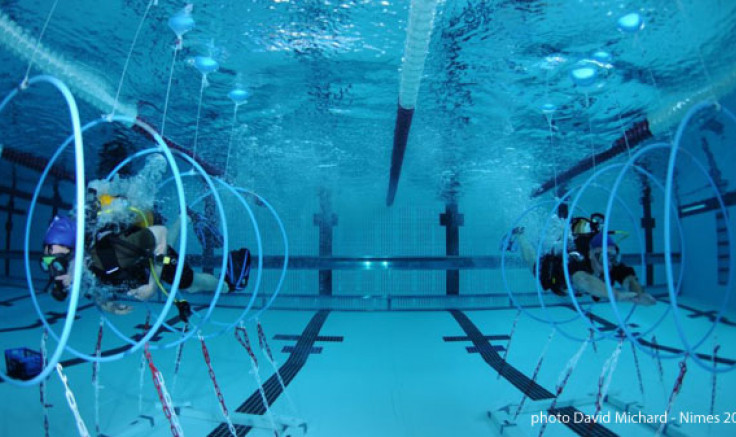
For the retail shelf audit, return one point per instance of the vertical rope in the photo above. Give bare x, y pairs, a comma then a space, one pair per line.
38, 43
142, 367
81, 427
218, 392
130, 55
199, 110
536, 372
675, 391
638, 369
564, 377
96, 375
243, 339
508, 345
714, 380
177, 361
166, 403
264, 345
604, 380
44, 362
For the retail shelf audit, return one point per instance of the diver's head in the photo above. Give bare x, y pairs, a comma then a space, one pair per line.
58, 249
61, 232
596, 252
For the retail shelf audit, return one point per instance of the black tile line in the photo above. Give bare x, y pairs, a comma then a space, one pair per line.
474, 350
335, 338
9, 302
490, 356
466, 338
533, 390
288, 371
710, 315
52, 318
706, 357
290, 349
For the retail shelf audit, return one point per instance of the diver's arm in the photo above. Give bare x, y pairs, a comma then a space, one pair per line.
631, 283
144, 291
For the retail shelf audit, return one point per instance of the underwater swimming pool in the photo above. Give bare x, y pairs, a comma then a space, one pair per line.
377, 159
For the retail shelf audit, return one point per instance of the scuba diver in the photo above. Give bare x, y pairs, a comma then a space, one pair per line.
131, 258
585, 264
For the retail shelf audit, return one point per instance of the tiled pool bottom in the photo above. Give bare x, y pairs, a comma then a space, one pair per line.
372, 374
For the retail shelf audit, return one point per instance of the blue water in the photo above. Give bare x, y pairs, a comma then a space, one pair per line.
498, 114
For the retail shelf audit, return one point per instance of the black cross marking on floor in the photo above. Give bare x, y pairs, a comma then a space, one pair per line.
474, 349
695, 313
9, 302
314, 349
288, 371
51, 319
533, 390
661, 347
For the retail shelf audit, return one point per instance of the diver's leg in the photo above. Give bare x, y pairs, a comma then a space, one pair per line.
203, 282
160, 234
174, 232
528, 252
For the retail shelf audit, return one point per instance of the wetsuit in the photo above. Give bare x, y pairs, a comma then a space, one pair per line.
124, 259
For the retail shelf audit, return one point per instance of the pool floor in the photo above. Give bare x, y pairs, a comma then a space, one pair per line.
433, 373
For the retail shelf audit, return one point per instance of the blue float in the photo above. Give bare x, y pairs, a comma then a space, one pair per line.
205, 64
239, 96
584, 76
602, 57
548, 109
182, 22
631, 23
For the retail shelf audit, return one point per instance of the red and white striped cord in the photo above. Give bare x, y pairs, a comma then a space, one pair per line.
177, 362
263, 342
81, 427
564, 377
254, 370
96, 375
508, 344
242, 336
536, 372
675, 391
604, 380
218, 392
142, 366
163, 395
715, 381
44, 362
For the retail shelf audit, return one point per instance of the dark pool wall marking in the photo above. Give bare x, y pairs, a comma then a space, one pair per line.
533, 390
272, 387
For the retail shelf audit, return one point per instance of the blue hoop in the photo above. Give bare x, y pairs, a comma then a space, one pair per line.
566, 236
667, 231
182, 244
188, 334
78, 257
